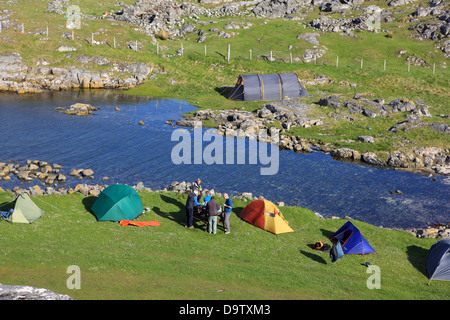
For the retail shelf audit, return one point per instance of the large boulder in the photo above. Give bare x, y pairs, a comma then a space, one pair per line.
137, 69
371, 158
10, 292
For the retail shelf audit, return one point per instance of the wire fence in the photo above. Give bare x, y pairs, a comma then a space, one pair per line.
228, 54
360, 64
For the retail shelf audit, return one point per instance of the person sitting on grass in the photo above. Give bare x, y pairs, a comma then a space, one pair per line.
208, 196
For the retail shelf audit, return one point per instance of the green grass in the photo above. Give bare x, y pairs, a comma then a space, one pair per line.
172, 262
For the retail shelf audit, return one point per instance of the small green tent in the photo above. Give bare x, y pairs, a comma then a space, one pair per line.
25, 210
117, 202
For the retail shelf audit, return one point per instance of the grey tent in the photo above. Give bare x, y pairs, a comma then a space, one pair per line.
438, 260
267, 87
24, 211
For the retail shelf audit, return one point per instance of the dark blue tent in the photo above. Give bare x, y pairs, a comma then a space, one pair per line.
351, 239
438, 260
277, 86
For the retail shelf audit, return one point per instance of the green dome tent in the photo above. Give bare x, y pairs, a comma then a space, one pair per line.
25, 210
117, 202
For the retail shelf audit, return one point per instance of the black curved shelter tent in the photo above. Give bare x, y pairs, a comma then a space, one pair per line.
438, 260
268, 87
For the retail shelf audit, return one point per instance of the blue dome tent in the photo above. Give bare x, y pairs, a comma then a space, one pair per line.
351, 240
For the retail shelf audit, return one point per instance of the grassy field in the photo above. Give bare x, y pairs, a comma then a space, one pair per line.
172, 262
176, 263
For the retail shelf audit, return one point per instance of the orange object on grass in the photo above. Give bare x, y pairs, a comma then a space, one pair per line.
125, 223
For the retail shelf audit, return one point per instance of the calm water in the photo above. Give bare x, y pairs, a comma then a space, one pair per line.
112, 144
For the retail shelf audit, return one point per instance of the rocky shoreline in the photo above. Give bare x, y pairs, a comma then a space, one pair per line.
41, 170
287, 114
18, 76
87, 190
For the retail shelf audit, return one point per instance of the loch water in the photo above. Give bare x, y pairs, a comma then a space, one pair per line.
114, 145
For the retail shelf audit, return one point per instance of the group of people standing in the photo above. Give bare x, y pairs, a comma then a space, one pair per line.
210, 205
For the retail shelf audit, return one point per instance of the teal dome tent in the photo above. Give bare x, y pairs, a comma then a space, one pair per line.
118, 202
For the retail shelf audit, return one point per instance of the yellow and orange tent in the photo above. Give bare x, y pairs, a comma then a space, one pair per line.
264, 214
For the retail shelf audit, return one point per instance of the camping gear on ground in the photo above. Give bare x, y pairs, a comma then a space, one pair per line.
438, 260
264, 214
118, 202
6, 214
267, 87
125, 223
351, 240
24, 211
336, 251
319, 245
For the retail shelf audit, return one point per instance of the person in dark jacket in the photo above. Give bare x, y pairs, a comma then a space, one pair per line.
213, 210
190, 203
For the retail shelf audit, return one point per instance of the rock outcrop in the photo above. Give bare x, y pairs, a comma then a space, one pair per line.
11, 292
40, 170
17, 76
80, 109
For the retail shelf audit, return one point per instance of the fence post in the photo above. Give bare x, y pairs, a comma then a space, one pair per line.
361, 63
434, 67
73, 35
205, 50
290, 55
337, 61
270, 55
182, 49
228, 59
47, 31
384, 67
408, 65
92, 38
250, 54
114, 42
